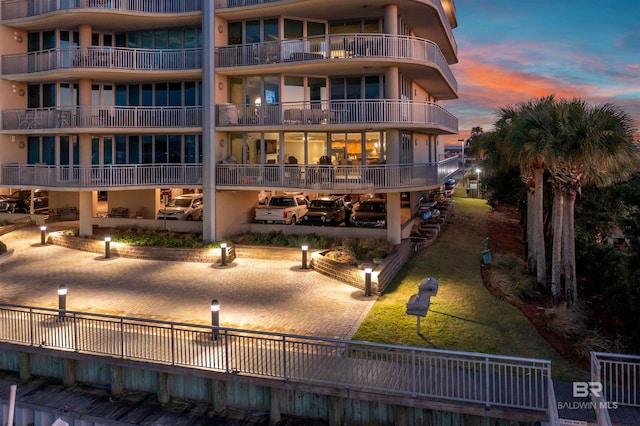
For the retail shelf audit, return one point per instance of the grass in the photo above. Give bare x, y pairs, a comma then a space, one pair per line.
464, 315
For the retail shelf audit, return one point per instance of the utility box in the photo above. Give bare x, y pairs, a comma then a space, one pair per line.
486, 257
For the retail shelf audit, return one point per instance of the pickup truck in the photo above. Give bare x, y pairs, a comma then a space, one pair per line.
286, 209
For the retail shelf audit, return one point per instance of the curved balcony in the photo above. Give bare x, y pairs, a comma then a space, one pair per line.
101, 176
427, 18
14, 9
420, 59
320, 178
117, 119
89, 59
378, 113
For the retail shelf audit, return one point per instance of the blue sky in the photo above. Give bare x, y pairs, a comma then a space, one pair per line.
511, 51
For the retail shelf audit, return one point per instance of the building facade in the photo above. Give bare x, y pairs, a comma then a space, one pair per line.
230, 98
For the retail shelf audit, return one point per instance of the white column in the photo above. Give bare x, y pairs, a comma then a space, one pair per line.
87, 200
209, 232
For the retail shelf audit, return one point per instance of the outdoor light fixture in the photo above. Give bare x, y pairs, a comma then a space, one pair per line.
305, 249
478, 171
107, 247
215, 318
62, 301
367, 280
43, 235
462, 152
223, 257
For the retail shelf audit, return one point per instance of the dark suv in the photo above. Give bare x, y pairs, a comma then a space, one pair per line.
325, 211
20, 202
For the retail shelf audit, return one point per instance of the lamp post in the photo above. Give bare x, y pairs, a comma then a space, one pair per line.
215, 318
367, 281
107, 247
462, 153
478, 171
305, 249
62, 301
43, 235
223, 254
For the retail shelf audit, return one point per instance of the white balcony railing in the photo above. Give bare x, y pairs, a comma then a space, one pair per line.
617, 381
118, 58
101, 176
101, 117
367, 178
302, 177
15, 9
362, 112
333, 46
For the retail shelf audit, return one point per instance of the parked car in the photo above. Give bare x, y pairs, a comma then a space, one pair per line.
182, 207
20, 202
371, 213
325, 211
286, 209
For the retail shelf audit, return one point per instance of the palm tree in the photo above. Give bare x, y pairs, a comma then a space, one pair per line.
531, 128
595, 145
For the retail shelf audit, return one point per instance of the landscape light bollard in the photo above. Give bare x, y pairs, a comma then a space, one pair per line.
305, 249
367, 281
107, 247
43, 235
223, 254
62, 301
478, 171
215, 318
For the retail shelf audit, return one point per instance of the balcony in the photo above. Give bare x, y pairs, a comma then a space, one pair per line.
17, 9
321, 178
87, 59
379, 113
370, 178
419, 59
67, 119
111, 176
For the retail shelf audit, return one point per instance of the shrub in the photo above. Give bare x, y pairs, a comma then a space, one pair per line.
3, 247
567, 322
508, 275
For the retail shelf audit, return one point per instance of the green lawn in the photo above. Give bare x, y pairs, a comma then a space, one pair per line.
463, 316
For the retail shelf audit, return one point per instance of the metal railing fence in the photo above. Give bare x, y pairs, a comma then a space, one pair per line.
337, 46
117, 58
389, 112
489, 380
82, 117
313, 177
619, 376
16, 9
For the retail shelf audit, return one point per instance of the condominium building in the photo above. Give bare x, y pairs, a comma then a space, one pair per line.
230, 98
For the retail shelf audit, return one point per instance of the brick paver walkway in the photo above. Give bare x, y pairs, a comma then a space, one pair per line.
269, 295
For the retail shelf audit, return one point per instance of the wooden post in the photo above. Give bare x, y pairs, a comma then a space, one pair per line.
25, 365
276, 396
219, 391
335, 416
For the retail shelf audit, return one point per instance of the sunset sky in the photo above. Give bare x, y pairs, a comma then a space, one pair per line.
512, 51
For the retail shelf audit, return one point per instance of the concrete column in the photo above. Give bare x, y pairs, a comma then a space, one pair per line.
391, 19
401, 416
163, 388
276, 397
117, 380
394, 223
219, 392
86, 209
209, 232
25, 365
69, 372
85, 31
335, 416
392, 91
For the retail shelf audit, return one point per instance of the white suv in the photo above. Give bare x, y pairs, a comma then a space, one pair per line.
183, 207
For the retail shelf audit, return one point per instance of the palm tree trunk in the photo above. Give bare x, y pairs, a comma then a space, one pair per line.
569, 247
538, 231
556, 251
531, 249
